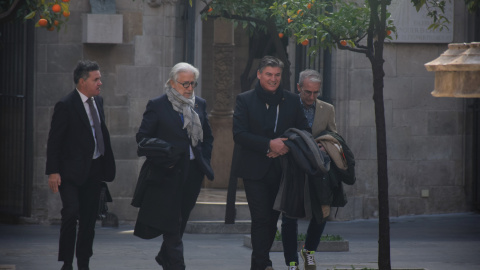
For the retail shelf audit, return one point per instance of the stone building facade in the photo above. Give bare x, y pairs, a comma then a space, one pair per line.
133, 72
427, 148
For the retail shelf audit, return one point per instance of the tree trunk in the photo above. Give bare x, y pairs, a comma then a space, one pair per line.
382, 170
384, 219
384, 261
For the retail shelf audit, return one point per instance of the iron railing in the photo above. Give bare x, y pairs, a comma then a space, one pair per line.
16, 84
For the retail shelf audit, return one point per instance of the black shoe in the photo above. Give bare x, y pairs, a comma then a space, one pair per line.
158, 259
83, 264
67, 267
162, 261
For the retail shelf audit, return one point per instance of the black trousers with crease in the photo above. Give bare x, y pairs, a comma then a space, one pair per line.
171, 252
80, 203
261, 196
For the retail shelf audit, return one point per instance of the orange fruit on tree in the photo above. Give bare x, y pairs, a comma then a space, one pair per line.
210, 9
389, 32
300, 12
42, 22
56, 8
343, 42
66, 1
289, 20
309, 6
56, 23
305, 42
66, 13
51, 28
280, 35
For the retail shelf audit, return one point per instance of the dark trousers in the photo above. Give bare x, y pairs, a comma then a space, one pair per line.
289, 237
79, 203
261, 197
171, 252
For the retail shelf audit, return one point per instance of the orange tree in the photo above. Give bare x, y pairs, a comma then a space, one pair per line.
360, 28
52, 14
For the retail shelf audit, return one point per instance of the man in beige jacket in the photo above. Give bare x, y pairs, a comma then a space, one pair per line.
320, 116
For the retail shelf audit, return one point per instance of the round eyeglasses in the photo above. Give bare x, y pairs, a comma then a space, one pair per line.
187, 84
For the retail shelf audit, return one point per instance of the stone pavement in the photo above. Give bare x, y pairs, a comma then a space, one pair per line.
433, 242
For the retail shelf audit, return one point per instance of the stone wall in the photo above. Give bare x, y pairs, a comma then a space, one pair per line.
425, 134
132, 72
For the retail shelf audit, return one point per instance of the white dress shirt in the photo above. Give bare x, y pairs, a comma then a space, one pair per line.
84, 98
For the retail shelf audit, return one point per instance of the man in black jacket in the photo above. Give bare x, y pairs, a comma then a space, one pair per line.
79, 157
261, 116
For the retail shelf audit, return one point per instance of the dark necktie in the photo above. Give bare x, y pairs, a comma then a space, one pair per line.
96, 126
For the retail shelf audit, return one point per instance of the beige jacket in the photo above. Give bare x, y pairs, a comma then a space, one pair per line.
324, 118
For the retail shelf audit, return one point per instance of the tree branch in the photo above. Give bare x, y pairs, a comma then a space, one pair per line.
359, 49
348, 48
5, 16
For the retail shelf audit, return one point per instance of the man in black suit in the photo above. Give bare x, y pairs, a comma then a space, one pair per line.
179, 118
261, 116
79, 157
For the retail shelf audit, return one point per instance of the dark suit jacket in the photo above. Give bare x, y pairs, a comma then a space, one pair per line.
248, 131
71, 143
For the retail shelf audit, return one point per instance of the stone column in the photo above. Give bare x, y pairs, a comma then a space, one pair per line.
221, 116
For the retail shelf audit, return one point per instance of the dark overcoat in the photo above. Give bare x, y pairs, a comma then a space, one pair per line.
160, 208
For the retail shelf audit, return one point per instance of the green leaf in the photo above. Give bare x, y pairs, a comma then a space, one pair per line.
30, 15
64, 6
